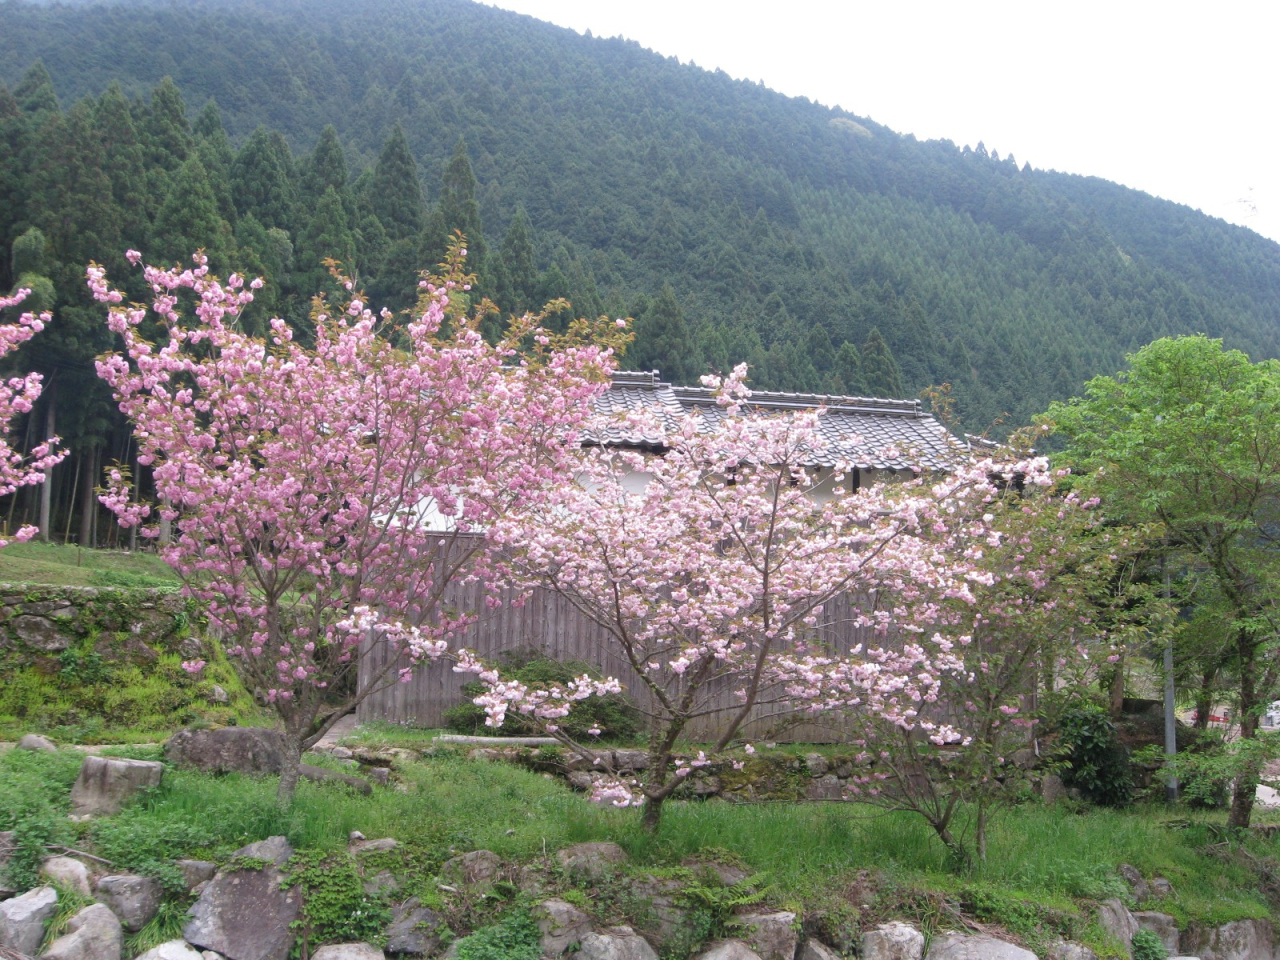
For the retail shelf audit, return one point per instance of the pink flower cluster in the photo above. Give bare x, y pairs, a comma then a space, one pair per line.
17, 396
324, 497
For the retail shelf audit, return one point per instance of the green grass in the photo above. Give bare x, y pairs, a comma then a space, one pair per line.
1047, 865
55, 564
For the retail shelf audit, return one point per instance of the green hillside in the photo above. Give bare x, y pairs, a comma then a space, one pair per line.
733, 222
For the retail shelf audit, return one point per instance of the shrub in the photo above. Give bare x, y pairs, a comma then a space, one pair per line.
1096, 761
615, 716
1148, 946
514, 937
335, 906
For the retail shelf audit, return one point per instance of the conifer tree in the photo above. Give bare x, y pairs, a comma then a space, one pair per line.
124, 164
517, 273
167, 133
846, 374
188, 220
325, 168
879, 368
216, 153
664, 342
394, 194
260, 182
459, 211
327, 235
34, 92
12, 175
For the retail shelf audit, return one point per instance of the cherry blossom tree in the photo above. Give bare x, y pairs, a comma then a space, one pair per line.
714, 576
326, 497
1052, 600
17, 396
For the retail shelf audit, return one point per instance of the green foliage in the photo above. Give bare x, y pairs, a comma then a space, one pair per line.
514, 937
166, 925
70, 902
137, 841
1096, 761
614, 715
715, 904
1147, 945
335, 907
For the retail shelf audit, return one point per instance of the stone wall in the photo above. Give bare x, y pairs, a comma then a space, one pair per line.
38, 622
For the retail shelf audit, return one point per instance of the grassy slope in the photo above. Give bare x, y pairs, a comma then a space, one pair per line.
57, 565
1047, 866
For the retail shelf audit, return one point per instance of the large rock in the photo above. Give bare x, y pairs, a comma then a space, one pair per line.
92, 934
1067, 950
105, 784
252, 750
134, 900
772, 935
562, 926
37, 743
68, 873
954, 946
22, 919
660, 896
816, 950
893, 941
172, 950
593, 860
616, 943
1238, 940
244, 915
348, 951
729, 950
195, 872
40, 633
1137, 883
415, 930
1162, 925
274, 850
1115, 918
475, 870
323, 775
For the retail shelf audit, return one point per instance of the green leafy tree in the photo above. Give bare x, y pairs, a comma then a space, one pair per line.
1189, 438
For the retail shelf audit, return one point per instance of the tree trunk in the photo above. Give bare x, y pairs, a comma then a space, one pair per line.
289, 775
1246, 787
87, 498
46, 488
1117, 689
651, 818
980, 832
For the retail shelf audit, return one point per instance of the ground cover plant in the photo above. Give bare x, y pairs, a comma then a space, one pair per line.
843, 866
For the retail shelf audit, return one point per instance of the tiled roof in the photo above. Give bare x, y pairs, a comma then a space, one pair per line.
864, 431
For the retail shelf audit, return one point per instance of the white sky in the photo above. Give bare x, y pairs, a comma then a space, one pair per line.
1174, 98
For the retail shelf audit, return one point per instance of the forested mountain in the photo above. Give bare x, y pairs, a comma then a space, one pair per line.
734, 223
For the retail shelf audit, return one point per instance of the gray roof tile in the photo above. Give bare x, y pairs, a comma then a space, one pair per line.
860, 430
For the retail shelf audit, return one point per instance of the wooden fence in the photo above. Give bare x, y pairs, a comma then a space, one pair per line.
550, 625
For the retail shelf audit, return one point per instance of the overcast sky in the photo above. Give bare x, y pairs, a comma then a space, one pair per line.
1174, 98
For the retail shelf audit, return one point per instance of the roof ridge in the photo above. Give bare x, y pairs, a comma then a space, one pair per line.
833, 403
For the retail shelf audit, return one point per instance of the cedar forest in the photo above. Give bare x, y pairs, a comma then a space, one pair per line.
733, 223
